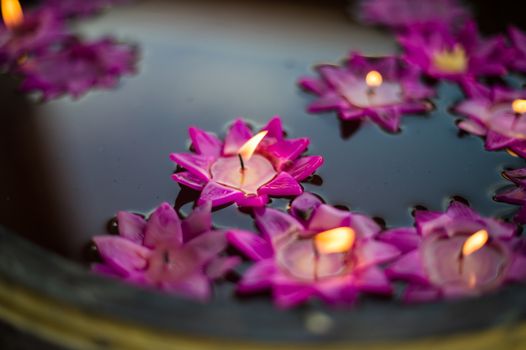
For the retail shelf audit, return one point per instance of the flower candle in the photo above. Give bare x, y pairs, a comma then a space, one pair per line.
176, 256
453, 254
445, 54
497, 114
27, 35
381, 89
245, 169
77, 67
316, 250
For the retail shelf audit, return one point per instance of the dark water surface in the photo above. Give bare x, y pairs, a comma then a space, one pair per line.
67, 167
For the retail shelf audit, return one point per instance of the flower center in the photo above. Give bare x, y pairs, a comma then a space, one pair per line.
451, 61
300, 259
258, 171
448, 268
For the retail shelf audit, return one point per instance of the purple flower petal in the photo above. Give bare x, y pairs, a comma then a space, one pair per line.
337, 291
221, 265
387, 118
517, 270
195, 286
252, 201
326, 217
472, 127
303, 206
287, 150
371, 252
121, 255
288, 295
514, 196
237, 135
282, 185
274, 128
205, 143
252, 246
275, 223
198, 165
219, 194
495, 141
131, 226
207, 245
405, 238
304, 167
408, 267
188, 179
164, 227
198, 222
258, 277
364, 226
373, 280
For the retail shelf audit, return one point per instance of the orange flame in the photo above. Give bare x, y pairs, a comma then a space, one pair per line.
247, 150
374, 79
337, 240
519, 106
475, 242
12, 13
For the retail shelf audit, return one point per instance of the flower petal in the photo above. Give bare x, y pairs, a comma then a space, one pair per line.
207, 245
198, 165
326, 217
194, 286
221, 265
337, 290
286, 150
274, 128
472, 127
237, 135
131, 226
419, 294
251, 245
364, 226
373, 280
371, 252
304, 206
121, 255
304, 167
495, 141
198, 222
282, 185
188, 179
288, 295
275, 223
258, 277
517, 270
205, 143
164, 227
252, 200
387, 118
514, 196
219, 194
408, 267
405, 238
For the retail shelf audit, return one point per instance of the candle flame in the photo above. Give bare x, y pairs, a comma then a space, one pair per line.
475, 242
374, 79
519, 106
12, 13
247, 150
336, 240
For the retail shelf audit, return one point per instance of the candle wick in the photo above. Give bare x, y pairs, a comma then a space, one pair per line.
241, 162
316, 261
460, 263
371, 91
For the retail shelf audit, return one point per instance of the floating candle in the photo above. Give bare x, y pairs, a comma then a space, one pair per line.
381, 89
495, 113
458, 253
245, 169
444, 53
315, 251
177, 256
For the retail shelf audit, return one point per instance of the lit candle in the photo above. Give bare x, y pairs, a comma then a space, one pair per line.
381, 89
315, 251
12, 13
245, 169
519, 106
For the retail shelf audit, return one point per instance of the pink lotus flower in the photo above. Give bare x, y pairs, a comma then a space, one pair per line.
490, 114
382, 89
275, 169
176, 256
38, 31
518, 39
516, 195
455, 254
78, 67
80, 8
401, 14
444, 54
291, 262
